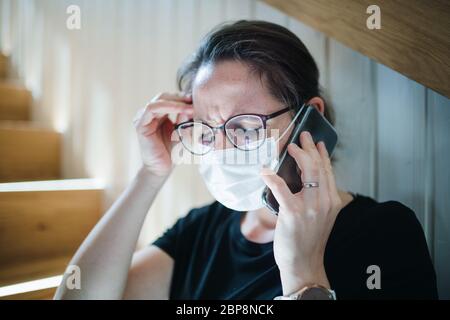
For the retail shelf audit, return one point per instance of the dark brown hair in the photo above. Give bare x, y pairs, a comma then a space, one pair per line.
276, 54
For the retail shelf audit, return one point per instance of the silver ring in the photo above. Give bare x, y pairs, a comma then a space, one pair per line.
310, 184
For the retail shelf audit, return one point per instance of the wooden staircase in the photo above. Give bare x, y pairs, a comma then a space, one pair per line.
43, 217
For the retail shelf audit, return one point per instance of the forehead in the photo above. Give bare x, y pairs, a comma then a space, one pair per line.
229, 87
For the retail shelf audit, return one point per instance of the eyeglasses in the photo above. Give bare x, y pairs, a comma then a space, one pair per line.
244, 131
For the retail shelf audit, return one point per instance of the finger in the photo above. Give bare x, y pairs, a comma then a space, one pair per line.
327, 166
310, 172
162, 107
324, 196
175, 96
167, 134
278, 187
332, 187
307, 144
182, 117
153, 126
309, 168
169, 106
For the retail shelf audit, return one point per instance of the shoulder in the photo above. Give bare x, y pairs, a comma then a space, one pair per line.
386, 231
366, 214
392, 218
377, 226
387, 235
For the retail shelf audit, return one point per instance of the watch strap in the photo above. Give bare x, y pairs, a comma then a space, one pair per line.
298, 294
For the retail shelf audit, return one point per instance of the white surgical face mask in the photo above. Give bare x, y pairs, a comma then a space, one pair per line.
232, 175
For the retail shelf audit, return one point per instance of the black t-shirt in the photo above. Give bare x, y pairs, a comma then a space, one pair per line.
213, 259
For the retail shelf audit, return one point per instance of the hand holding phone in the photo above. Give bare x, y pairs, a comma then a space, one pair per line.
311, 120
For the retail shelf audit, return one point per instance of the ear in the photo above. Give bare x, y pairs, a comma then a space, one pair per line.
318, 103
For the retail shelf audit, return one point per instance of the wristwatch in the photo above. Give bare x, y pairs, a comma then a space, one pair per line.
313, 292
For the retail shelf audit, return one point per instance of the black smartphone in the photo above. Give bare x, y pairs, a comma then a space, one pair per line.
310, 119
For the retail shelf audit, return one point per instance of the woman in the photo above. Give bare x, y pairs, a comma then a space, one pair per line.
324, 241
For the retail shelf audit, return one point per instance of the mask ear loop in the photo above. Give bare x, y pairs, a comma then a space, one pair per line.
274, 162
290, 124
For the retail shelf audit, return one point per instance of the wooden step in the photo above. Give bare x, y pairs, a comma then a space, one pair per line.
41, 289
15, 101
42, 223
42, 294
28, 152
3, 66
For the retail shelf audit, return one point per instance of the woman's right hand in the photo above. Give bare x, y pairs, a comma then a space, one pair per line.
154, 129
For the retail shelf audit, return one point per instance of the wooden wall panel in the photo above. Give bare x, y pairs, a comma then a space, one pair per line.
438, 151
266, 12
239, 9
316, 42
351, 91
209, 14
401, 140
414, 38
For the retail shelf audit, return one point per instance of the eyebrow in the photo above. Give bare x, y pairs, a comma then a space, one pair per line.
215, 124
208, 121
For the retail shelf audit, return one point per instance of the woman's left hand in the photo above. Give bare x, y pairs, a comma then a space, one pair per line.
305, 219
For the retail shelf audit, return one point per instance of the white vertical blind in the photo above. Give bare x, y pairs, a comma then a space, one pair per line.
89, 83
401, 139
437, 211
352, 92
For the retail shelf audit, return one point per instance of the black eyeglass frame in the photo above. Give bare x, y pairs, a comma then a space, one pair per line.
264, 118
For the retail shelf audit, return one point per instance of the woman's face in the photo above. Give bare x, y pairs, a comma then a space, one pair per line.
228, 88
